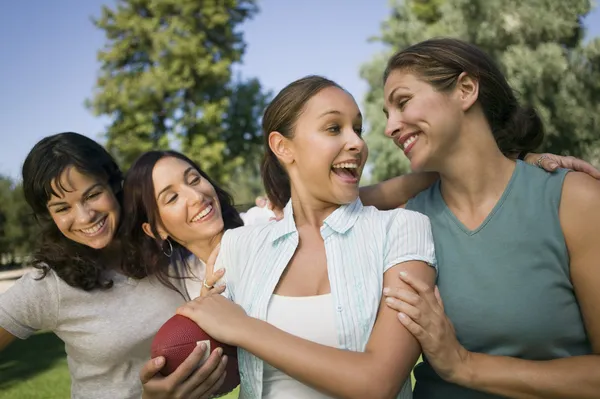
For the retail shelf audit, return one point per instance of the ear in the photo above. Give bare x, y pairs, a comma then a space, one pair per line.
148, 230
281, 147
467, 89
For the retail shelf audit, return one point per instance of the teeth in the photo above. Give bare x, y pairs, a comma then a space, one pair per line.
95, 228
410, 140
346, 165
203, 213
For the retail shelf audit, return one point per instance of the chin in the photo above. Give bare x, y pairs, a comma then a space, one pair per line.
97, 243
347, 197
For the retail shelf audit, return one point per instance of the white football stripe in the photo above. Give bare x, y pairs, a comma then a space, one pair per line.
207, 351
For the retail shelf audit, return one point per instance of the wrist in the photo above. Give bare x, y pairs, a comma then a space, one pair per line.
244, 332
464, 372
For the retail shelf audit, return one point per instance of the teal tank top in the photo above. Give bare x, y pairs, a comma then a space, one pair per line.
505, 285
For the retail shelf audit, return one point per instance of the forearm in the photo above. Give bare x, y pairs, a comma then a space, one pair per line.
395, 192
339, 373
574, 377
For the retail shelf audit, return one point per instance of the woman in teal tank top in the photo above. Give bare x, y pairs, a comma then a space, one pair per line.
517, 247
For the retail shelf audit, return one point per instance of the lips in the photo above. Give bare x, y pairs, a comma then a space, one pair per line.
204, 212
94, 229
407, 141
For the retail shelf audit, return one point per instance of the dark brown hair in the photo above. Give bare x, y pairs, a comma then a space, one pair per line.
143, 255
439, 62
281, 116
76, 264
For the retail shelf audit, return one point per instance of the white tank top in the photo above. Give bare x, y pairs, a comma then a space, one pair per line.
311, 318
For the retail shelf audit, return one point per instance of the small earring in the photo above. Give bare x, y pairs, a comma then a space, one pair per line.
168, 255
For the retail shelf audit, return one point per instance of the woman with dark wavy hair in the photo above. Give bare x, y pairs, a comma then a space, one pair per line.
105, 312
163, 182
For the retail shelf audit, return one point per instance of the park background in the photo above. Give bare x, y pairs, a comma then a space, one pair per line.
196, 75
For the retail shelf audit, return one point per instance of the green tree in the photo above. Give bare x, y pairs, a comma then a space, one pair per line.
5, 197
18, 228
166, 81
22, 228
538, 44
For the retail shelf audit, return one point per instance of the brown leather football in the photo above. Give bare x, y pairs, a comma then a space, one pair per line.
178, 337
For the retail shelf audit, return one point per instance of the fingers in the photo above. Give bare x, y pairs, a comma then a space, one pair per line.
548, 163
188, 366
209, 394
403, 295
151, 368
213, 278
402, 307
582, 166
415, 329
203, 378
210, 276
551, 162
217, 290
418, 285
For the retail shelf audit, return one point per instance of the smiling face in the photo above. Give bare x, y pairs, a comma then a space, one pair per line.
84, 209
326, 156
188, 207
423, 122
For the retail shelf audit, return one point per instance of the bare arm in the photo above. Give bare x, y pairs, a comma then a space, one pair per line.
378, 372
573, 377
396, 192
6, 339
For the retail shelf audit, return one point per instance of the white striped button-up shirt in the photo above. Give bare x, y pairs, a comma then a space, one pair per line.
361, 243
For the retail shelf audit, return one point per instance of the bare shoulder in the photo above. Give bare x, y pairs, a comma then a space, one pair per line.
580, 209
580, 193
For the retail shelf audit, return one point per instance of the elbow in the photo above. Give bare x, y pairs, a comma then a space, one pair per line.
383, 392
376, 387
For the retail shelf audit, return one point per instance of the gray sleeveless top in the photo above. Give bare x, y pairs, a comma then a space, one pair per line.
505, 285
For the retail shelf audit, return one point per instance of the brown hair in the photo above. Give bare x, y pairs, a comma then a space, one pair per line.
76, 264
281, 116
143, 255
439, 62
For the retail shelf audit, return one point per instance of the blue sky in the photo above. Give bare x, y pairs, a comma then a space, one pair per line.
48, 59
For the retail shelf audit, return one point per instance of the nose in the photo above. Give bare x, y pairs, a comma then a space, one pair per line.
393, 126
355, 142
193, 196
84, 214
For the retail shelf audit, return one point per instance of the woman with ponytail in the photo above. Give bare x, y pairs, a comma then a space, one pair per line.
516, 309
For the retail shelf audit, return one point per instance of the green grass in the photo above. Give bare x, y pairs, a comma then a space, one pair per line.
37, 369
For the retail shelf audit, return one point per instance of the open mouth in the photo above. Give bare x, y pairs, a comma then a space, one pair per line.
204, 214
96, 228
346, 170
408, 142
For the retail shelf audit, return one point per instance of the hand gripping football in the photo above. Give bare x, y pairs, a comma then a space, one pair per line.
178, 337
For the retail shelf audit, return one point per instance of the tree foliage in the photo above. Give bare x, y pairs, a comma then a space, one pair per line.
18, 228
540, 46
166, 82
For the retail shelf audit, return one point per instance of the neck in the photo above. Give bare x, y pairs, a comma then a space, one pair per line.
309, 211
111, 255
476, 171
203, 249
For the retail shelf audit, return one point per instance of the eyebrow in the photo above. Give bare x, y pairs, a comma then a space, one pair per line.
391, 96
336, 112
170, 186
85, 194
